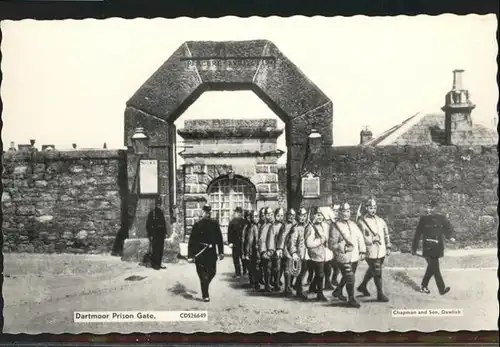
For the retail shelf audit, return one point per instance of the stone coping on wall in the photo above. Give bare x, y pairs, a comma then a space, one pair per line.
229, 123
475, 149
207, 152
230, 133
41, 156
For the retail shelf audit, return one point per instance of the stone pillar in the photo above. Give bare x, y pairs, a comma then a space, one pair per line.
196, 182
267, 184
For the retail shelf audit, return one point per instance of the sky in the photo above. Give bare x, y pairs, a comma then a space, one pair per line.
68, 81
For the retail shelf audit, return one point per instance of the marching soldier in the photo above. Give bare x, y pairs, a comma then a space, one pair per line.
326, 223
204, 246
272, 242
316, 244
244, 241
296, 247
156, 228
378, 246
282, 250
252, 250
234, 238
433, 229
266, 254
348, 245
334, 264
262, 221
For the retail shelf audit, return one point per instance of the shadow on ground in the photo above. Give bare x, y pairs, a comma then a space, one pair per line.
404, 278
181, 290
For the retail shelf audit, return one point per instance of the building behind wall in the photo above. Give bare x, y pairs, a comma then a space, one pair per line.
454, 126
229, 163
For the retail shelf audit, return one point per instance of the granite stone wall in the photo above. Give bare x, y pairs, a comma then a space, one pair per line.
463, 179
74, 201
63, 201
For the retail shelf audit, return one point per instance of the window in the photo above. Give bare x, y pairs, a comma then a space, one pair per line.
224, 195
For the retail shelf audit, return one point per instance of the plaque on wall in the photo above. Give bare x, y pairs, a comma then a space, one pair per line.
148, 177
310, 185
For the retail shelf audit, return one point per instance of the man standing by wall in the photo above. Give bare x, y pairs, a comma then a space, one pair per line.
378, 246
234, 238
156, 228
204, 246
433, 228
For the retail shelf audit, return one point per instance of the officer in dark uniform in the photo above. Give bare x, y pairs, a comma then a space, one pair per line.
204, 246
156, 228
433, 229
234, 238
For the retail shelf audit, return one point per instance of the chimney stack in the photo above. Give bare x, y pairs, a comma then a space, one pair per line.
365, 135
74, 145
458, 79
12, 146
24, 148
48, 147
458, 109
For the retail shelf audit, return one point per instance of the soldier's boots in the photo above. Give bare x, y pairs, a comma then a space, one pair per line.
338, 295
445, 291
353, 303
302, 296
362, 289
321, 296
382, 298
328, 285
287, 291
425, 290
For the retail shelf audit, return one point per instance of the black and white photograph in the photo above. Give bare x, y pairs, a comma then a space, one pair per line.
300, 174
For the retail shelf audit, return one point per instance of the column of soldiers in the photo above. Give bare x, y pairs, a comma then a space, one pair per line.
267, 243
326, 247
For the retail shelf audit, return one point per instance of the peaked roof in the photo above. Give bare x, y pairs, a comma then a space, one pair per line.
427, 129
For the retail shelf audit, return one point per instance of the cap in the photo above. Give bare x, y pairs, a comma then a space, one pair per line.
344, 206
238, 210
336, 207
278, 210
302, 211
291, 211
371, 202
314, 210
207, 208
268, 210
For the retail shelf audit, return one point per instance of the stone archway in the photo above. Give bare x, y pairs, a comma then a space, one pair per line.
257, 65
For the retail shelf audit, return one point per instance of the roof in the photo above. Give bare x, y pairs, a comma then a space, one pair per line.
429, 128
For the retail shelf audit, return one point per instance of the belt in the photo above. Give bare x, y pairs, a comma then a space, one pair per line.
207, 245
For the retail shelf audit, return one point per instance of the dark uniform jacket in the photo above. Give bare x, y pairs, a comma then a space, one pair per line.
155, 225
205, 231
432, 230
235, 231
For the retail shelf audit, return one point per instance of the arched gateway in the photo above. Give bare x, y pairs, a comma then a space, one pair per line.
199, 66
